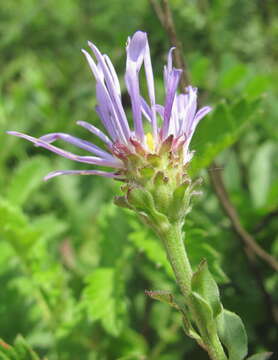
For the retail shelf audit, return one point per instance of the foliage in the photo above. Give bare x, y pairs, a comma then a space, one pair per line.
73, 267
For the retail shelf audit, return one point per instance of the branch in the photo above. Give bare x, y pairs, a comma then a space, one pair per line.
231, 212
165, 17
265, 220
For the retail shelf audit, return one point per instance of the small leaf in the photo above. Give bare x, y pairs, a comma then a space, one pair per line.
261, 172
26, 179
204, 310
204, 284
261, 356
167, 297
163, 296
19, 351
144, 241
232, 334
101, 300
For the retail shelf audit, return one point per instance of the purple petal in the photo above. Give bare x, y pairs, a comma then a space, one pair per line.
201, 113
169, 67
146, 109
94, 130
82, 144
112, 90
150, 84
136, 48
191, 107
172, 84
80, 172
135, 54
160, 109
108, 109
113, 74
66, 154
108, 114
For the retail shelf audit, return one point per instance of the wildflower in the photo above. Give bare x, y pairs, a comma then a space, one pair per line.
172, 124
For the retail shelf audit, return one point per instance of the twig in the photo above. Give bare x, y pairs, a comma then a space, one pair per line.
265, 220
158, 10
231, 212
165, 16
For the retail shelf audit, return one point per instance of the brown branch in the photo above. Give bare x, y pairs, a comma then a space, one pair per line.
231, 212
165, 16
265, 220
158, 10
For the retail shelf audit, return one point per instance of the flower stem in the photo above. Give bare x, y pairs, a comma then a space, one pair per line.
175, 249
172, 238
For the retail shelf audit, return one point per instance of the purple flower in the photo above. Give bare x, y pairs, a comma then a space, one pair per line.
175, 120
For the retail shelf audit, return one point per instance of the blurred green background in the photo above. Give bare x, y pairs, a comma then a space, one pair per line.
73, 267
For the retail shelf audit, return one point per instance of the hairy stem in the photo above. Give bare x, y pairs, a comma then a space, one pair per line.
173, 242
177, 256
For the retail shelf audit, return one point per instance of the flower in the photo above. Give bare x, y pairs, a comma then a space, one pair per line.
172, 124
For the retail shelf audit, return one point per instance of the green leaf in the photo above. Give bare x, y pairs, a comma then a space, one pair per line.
26, 179
205, 313
261, 168
163, 296
261, 356
103, 299
167, 297
219, 130
19, 351
232, 334
204, 284
200, 246
232, 76
15, 228
144, 241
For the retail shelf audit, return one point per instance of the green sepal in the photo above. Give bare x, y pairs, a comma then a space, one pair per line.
122, 202
204, 284
162, 192
147, 172
180, 201
261, 356
142, 201
232, 334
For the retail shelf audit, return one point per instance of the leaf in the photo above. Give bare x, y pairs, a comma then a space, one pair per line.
232, 76
102, 299
19, 351
261, 356
143, 239
204, 284
26, 179
205, 314
260, 173
15, 228
163, 296
167, 297
220, 130
200, 246
232, 334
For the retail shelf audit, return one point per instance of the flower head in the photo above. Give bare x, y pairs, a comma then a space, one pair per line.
172, 124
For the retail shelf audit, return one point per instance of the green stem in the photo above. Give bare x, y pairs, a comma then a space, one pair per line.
173, 242
177, 256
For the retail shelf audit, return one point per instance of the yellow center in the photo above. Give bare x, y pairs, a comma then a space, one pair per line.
150, 141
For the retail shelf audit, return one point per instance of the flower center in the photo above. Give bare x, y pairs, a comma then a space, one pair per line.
150, 141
